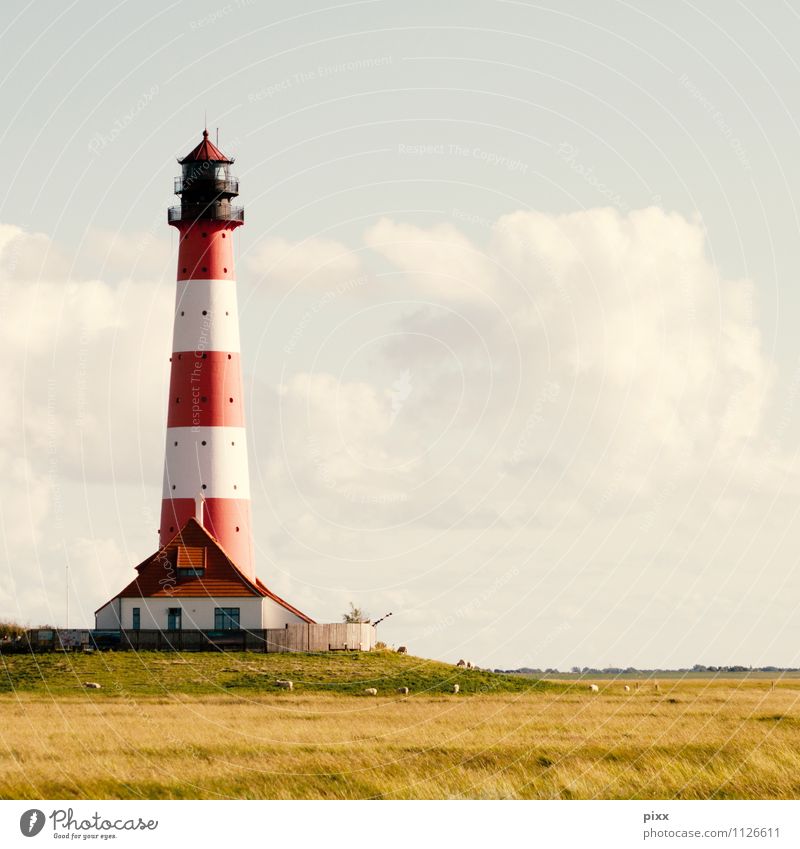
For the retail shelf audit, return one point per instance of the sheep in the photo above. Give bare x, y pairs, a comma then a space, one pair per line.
91, 685
461, 662
285, 685
371, 691
593, 688
626, 688
402, 650
456, 688
469, 665
403, 691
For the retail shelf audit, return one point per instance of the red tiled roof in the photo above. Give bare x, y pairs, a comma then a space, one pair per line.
205, 152
158, 576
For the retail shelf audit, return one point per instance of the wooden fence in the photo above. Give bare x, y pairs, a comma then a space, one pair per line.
293, 638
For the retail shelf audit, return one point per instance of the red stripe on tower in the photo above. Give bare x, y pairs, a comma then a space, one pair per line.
206, 450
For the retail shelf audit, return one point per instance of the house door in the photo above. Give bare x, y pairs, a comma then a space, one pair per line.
174, 619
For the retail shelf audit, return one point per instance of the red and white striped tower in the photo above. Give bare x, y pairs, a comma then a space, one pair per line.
205, 469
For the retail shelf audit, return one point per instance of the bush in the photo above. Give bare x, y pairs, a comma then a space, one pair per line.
11, 630
355, 615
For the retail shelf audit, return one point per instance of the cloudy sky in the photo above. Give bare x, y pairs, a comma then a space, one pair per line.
519, 295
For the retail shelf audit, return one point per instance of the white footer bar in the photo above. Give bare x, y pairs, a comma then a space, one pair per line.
390, 824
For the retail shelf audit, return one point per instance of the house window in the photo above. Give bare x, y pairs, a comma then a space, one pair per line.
137, 618
226, 619
174, 619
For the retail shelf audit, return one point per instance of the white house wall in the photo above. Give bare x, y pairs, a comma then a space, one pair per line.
197, 613
107, 618
274, 615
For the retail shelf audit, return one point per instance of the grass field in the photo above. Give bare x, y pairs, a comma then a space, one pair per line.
215, 726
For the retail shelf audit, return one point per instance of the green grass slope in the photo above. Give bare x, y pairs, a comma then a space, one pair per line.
213, 673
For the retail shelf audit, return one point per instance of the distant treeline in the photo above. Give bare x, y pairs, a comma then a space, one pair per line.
632, 670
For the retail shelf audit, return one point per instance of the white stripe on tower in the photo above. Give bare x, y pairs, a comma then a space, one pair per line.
206, 447
206, 316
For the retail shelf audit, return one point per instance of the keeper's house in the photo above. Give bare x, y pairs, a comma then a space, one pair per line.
192, 584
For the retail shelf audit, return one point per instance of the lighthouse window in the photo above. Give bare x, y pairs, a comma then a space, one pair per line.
204, 268
205, 312
203, 442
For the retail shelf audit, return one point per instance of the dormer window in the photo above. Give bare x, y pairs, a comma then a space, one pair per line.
191, 561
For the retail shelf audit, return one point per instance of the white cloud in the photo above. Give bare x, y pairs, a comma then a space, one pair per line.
82, 418
438, 260
585, 386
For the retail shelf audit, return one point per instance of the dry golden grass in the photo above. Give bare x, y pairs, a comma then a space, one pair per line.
693, 739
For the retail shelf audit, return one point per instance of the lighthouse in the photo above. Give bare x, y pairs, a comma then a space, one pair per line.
203, 576
205, 468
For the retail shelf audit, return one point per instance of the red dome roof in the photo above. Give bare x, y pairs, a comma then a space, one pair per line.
205, 152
